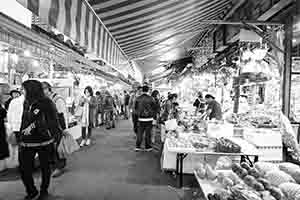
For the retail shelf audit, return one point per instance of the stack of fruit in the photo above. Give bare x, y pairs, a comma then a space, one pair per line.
227, 146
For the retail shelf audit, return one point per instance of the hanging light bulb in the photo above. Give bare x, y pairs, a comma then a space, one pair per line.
35, 63
27, 53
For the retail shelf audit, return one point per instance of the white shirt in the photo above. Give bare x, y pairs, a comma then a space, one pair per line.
14, 114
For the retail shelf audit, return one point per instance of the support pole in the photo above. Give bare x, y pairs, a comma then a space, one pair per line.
286, 86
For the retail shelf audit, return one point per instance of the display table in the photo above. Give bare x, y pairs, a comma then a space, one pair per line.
182, 153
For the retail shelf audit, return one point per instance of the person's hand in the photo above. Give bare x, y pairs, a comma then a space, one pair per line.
27, 131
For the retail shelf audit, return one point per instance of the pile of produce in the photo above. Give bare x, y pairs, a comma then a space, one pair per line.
227, 146
202, 143
256, 118
263, 181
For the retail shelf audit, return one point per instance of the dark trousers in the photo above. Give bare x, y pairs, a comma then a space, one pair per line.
109, 119
144, 127
135, 123
26, 166
83, 132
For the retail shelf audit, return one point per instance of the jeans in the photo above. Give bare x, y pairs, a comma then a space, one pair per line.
144, 127
135, 123
26, 161
83, 133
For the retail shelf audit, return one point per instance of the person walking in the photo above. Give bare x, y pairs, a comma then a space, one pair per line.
131, 107
145, 109
89, 104
126, 103
99, 109
4, 151
108, 107
59, 163
39, 128
155, 95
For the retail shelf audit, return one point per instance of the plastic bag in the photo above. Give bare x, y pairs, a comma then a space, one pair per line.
171, 125
67, 145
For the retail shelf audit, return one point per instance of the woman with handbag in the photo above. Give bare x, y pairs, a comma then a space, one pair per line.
4, 152
39, 128
88, 103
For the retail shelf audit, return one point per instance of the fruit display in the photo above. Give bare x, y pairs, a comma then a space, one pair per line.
242, 193
227, 146
205, 171
202, 143
290, 190
291, 169
263, 183
277, 177
264, 167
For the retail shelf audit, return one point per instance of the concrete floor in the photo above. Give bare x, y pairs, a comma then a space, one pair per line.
107, 170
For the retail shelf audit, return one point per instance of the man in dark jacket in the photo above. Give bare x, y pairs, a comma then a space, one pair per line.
144, 107
60, 163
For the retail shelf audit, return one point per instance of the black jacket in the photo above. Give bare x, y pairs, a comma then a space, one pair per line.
43, 115
145, 107
4, 152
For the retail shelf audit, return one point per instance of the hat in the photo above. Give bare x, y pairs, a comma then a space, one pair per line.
14, 91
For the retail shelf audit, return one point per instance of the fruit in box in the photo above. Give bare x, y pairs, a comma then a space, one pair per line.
201, 172
277, 177
291, 169
242, 193
227, 182
276, 193
245, 166
290, 190
211, 174
236, 167
254, 172
243, 173
264, 167
267, 185
249, 180
258, 187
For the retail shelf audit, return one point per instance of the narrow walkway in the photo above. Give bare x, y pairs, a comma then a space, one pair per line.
107, 170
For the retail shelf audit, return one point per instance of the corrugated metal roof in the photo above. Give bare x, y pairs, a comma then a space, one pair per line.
151, 28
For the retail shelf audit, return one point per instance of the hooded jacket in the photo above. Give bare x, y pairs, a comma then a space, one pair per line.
42, 117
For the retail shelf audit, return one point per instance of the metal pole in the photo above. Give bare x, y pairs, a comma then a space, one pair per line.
286, 84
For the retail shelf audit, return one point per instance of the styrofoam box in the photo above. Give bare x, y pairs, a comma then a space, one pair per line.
267, 141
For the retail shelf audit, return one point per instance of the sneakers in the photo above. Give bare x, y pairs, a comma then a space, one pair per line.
138, 149
83, 142
148, 149
33, 196
57, 173
88, 142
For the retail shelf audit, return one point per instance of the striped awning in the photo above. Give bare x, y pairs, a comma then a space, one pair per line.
77, 20
148, 29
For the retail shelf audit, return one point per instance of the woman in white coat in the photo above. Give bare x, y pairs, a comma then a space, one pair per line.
14, 119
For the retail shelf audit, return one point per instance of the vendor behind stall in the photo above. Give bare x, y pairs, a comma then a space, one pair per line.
199, 103
213, 110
